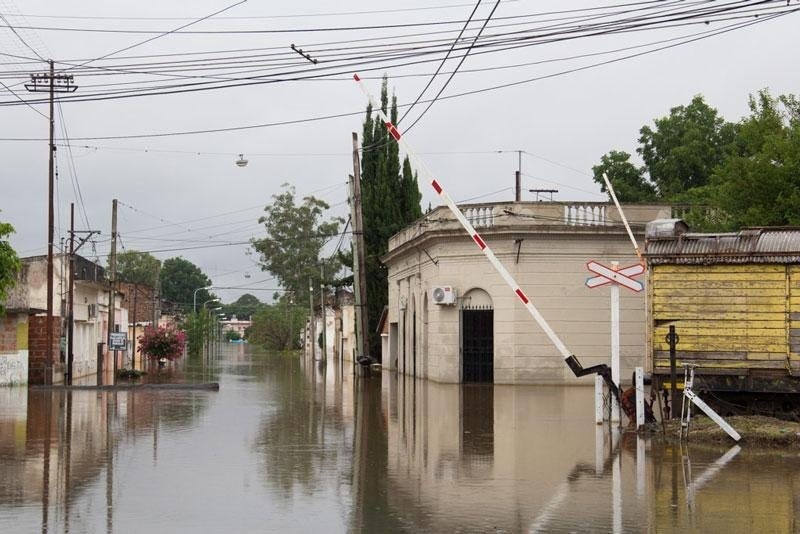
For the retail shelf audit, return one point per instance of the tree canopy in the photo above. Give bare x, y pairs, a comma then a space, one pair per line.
296, 235
758, 184
277, 326
629, 181
243, 307
390, 201
179, 280
729, 175
138, 267
9, 263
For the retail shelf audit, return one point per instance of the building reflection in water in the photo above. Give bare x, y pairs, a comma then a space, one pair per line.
376, 454
56, 446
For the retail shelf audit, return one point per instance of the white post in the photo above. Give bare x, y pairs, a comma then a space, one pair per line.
615, 415
598, 400
639, 398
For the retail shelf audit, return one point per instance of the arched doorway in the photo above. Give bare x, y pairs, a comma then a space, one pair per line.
477, 337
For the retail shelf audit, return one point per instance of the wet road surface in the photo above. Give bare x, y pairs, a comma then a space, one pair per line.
288, 445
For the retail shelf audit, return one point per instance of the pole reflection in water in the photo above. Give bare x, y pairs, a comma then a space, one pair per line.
289, 444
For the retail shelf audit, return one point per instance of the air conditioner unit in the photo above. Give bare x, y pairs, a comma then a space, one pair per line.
445, 295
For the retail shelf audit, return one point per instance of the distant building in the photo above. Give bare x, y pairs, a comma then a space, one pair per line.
452, 318
235, 325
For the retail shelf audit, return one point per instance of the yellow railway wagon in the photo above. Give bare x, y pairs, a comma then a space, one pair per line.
734, 301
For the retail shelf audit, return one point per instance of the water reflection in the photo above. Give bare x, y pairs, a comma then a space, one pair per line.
293, 445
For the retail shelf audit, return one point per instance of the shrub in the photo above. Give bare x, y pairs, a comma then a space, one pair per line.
162, 342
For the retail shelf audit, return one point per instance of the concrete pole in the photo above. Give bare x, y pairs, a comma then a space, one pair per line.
359, 260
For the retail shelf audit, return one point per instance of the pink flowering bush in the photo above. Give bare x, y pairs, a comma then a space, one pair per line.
162, 342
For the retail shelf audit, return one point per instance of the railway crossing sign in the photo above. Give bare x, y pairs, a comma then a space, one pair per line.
607, 275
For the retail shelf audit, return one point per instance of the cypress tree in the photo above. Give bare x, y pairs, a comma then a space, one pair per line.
390, 201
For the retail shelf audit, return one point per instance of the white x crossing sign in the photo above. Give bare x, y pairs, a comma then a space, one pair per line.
607, 275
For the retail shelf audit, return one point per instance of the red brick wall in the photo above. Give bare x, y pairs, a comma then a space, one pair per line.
8, 333
37, 347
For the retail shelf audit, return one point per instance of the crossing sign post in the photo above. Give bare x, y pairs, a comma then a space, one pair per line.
616, 277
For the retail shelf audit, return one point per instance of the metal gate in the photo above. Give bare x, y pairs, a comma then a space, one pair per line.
477, 345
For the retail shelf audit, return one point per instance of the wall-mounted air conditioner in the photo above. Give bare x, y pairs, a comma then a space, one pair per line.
445, 295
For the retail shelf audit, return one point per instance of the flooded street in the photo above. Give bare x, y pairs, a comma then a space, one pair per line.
286, 445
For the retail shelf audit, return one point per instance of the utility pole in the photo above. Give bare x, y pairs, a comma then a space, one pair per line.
62, 84
71, 288
311, 319
324, 355
157, 297
133, 343
71, 294
112, 278
359, 265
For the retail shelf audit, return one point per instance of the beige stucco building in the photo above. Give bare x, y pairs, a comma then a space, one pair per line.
452, 318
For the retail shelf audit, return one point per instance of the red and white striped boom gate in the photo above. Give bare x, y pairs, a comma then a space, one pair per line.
570, 359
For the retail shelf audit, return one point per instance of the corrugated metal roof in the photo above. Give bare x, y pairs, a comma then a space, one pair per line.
754, 245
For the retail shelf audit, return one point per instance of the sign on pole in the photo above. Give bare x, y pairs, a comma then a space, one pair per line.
118, 340
607, 275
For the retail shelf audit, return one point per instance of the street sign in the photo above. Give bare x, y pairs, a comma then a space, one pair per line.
607, 275
118, 340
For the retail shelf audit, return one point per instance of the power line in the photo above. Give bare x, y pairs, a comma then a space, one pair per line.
485, 89
257, 17
23, 41
162, 34
463, 58
444, 60
292, 75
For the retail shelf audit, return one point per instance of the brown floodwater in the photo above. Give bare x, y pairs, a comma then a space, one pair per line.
288, 445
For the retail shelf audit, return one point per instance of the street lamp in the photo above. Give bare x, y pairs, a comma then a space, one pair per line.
215, 299
194, 297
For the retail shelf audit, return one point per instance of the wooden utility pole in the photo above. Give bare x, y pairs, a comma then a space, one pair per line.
359, 265
112, 278
48, 379
311, 329
51, 83
71, 294
324, 355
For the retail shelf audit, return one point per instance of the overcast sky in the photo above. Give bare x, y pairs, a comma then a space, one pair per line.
184, 195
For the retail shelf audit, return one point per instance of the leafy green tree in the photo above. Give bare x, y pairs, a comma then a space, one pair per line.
179, 280
628, 180
138, 267
232, 335
243, 307
390, 201
296, 235
759, 183
277, 326
682, 150
9, 263
197, 326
